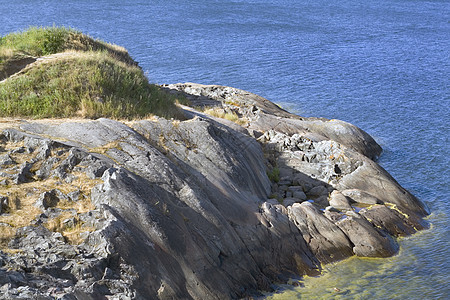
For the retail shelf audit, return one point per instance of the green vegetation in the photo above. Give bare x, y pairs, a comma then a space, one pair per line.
87, 78
36, 42
274, 175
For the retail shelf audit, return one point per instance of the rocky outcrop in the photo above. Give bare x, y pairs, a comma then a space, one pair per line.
196, 209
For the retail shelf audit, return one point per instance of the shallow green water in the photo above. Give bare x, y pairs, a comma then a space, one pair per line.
397, 277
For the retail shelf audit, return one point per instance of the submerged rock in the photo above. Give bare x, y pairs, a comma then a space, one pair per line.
181, 209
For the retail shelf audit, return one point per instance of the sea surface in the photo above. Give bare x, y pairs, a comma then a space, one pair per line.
382, 65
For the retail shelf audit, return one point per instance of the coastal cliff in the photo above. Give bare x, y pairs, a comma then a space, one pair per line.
236, 195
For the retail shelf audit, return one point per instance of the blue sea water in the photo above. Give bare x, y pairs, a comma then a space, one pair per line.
382, 65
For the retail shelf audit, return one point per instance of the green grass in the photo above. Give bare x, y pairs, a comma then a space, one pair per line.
40, 41
94, 79
274, 174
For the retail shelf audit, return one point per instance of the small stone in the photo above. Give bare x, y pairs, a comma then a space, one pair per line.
32, 143
274, 187
58, 236
69, 223
295, 188
108, 274
23, 174
272, 201
303, 180
4, 202
19, 150
74, 196
48, 199
300, 195
96, 169
60, 152
46, 167
283, 188
44, 150
286, 173
333, 216
6, 160
322, 201
69, 178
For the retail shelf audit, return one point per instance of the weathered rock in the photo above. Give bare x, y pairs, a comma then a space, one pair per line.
290, 201
325, 239
299, 195
269, 116
359, 196
297, 192
6, 160
4, 202
44, 150
333, 214
392, 221
374, 180
367, 240
46, 167
74, 158
74, 196
318, 191
49, 199
339, 201
306, 182
23, 173
94, 167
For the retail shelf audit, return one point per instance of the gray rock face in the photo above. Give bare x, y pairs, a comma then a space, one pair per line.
359, 196
367, 240
325, 239
339, 201
163, 209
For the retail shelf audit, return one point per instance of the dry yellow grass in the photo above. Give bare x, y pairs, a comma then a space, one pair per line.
220, 113
22, 198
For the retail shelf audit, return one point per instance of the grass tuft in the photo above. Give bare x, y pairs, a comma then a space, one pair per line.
274, 174
220, 113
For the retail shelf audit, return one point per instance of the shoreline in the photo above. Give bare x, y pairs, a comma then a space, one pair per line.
211, 208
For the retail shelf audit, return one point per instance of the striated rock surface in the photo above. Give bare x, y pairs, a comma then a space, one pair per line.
196, 209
